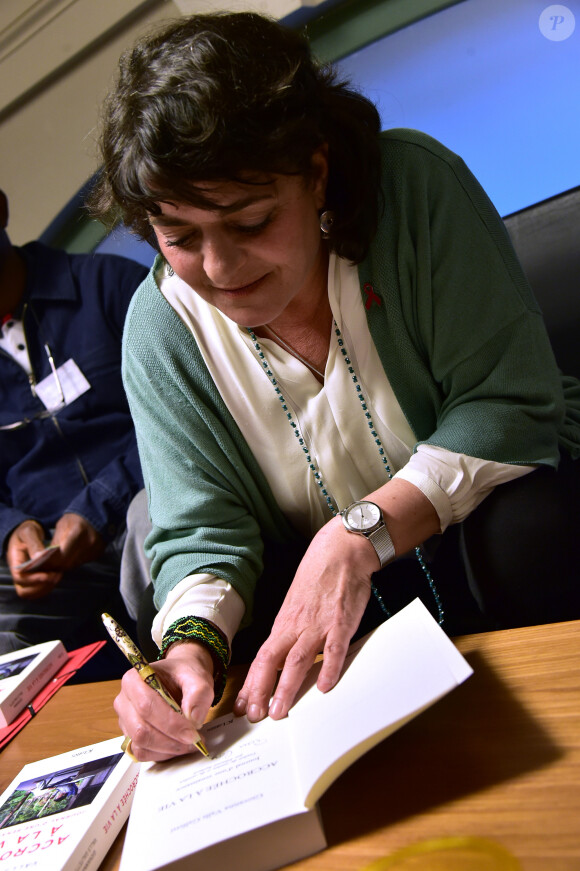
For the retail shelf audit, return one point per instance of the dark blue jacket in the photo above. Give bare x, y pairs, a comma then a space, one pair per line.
84, 459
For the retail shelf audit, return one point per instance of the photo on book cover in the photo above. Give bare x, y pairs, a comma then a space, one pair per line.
15, 666
56, 791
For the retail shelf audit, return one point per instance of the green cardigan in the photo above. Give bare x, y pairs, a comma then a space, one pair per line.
457, 329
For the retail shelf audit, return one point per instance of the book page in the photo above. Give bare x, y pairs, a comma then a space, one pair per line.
248, 782
403, 667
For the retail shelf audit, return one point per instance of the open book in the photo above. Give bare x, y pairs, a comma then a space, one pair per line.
252, 805
23, 673
63, 813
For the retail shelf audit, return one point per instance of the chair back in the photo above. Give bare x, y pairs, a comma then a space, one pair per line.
546, 237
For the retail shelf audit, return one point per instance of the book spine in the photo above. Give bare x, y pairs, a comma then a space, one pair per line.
106, 825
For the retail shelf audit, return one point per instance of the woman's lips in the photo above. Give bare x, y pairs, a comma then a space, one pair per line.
242, 289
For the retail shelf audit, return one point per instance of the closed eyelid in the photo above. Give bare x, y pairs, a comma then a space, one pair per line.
257, 223
186, 238
191, 234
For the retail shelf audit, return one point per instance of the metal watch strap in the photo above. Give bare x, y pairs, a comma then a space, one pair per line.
382, 543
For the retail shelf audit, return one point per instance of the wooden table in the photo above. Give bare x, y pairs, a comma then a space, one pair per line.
498, 758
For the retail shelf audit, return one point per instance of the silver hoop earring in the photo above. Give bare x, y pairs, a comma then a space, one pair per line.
326, 222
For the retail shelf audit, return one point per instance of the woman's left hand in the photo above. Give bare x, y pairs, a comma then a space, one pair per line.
321, 612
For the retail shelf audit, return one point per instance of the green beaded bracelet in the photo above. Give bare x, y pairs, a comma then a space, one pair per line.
198, 629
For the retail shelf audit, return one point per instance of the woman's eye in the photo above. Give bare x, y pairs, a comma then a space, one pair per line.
182, 242
189, 239
252, 229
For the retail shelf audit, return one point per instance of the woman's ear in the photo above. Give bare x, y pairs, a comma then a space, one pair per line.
319, 175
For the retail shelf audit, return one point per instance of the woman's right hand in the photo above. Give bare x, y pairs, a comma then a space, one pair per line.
158, 733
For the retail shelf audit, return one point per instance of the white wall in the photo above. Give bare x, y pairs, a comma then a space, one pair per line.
54, 73
57, 60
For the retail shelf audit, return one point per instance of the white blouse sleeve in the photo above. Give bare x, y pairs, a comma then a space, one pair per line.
455, 484
201, 595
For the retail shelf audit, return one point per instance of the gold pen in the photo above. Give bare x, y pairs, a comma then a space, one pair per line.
144, 670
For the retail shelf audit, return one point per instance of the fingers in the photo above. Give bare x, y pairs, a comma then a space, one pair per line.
297, 665
35, 586
255, 699
79, 542
335, 650
30, 534
157, 732
25, 542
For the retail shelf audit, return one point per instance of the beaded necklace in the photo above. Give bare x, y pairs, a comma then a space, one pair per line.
316, 474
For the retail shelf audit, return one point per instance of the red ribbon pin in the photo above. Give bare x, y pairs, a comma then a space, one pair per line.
371, 296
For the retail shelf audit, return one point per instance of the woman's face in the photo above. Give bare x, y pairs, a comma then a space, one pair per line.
259, 253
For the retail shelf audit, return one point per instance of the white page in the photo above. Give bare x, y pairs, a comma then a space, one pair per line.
194, 802
405, 665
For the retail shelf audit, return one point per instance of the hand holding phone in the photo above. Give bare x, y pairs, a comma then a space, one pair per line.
41, 559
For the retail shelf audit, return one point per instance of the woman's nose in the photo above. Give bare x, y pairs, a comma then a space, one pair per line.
223, 260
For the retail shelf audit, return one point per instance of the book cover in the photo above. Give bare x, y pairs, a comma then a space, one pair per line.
23, 673
253, 804
63, 813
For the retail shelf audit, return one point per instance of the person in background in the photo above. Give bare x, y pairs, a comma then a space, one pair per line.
69, 465
335, 358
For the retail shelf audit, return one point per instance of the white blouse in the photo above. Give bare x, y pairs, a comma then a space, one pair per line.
332, 422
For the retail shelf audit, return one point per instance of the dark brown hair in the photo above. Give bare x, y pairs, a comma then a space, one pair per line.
221, 96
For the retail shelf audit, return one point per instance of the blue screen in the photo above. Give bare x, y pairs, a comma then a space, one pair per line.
497, 81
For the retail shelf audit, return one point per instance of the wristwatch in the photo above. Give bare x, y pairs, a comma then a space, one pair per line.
366, 518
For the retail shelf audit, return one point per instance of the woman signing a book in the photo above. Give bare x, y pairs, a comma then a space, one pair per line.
335, 359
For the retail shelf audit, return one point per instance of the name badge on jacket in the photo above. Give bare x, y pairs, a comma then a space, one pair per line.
63, 386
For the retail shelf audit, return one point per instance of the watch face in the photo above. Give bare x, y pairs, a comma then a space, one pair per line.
363, 516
